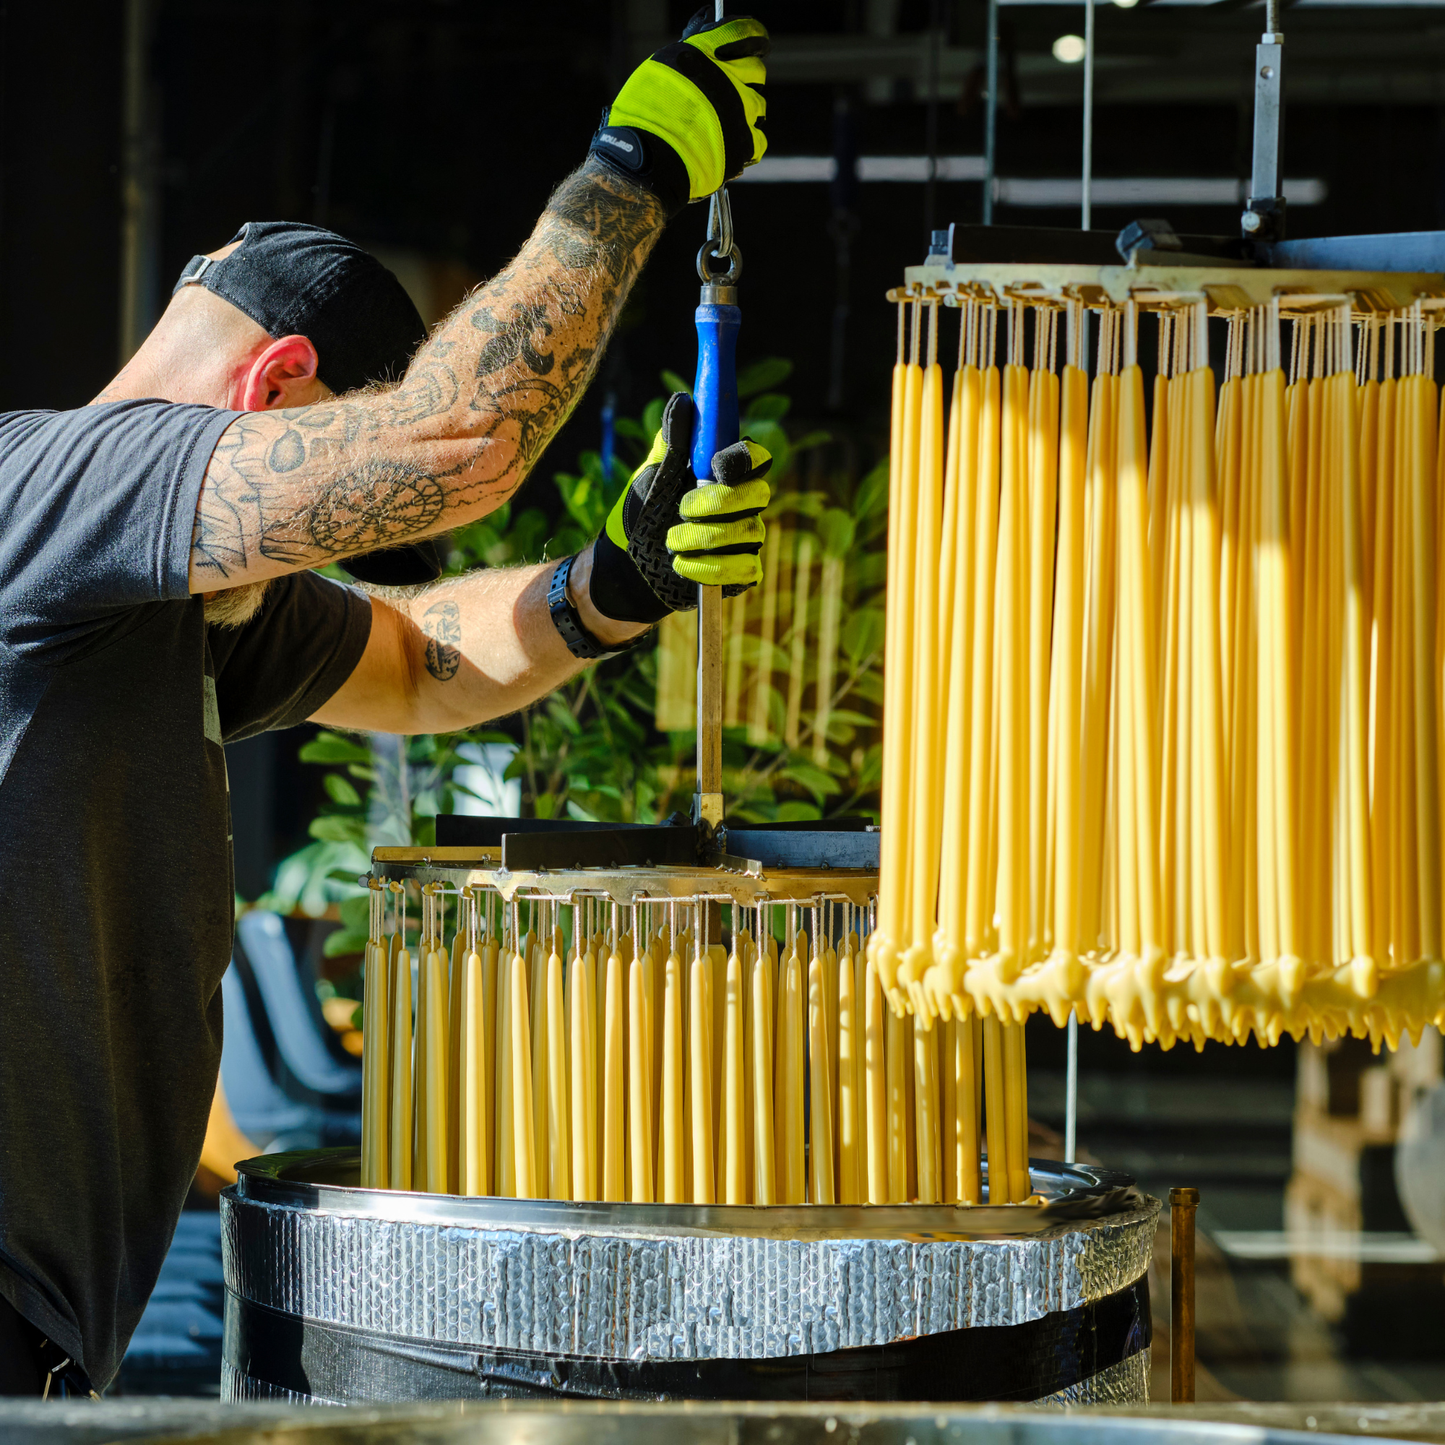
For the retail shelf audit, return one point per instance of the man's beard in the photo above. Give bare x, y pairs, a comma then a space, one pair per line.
236, 606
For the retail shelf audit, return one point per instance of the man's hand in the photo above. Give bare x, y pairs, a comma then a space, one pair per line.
666, 535
691, 116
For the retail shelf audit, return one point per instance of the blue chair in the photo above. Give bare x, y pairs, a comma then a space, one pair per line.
294, 1012
260, 1107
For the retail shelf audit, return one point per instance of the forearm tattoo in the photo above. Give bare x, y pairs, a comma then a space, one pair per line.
455, 439
442, 624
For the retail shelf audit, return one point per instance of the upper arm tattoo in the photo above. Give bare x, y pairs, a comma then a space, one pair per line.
482, 399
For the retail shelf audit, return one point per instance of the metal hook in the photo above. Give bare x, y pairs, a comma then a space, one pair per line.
720, 243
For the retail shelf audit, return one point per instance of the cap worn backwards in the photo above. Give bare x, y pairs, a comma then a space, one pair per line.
293, 279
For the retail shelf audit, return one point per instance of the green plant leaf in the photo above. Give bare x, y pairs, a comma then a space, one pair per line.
356, 914
836, 530
797, 811
762, 375
334, 828
333, 748
862, 633
801, 504
869, 572
771, 407
871, 498
812, 439
340, 791
344, 941
870, 687
871, 773
626, 427
652, 418
673, 382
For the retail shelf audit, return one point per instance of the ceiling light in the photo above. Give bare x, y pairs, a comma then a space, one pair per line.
1069, 49
1126, 4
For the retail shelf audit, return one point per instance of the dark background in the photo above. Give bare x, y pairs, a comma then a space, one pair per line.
134, 133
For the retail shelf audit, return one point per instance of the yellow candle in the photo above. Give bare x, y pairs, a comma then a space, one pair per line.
615, 1068
851, 1160
399, 1171
639, 1056
700, 1078
671, 1163
764, 1126
996, 1112
821, 1184
429, 1170
524, 1137
505, 1158
734, 1113
375, 1068
792, 1180
875, 1089
474, 1091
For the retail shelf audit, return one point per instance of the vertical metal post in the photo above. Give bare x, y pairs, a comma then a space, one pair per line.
990, 116
1182, 1204
1087, 198
710, 670
1086, 220
709, 704
139, 191
1264, 214
1071, 1093
930, 189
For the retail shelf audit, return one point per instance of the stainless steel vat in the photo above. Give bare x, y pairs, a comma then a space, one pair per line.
341, 1294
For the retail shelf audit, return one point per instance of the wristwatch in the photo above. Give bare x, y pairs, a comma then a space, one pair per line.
580, 642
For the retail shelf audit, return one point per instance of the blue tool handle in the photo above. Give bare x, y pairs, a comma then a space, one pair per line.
715, 392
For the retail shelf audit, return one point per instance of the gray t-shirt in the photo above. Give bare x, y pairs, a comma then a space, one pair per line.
115, 849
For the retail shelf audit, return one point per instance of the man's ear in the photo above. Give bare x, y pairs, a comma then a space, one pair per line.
284, 374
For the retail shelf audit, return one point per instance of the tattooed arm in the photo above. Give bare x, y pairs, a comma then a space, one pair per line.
292, 489
464, 650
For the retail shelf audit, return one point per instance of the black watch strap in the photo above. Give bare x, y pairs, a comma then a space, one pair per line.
580, 642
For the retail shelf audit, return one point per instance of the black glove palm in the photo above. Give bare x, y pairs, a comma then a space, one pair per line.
665, 535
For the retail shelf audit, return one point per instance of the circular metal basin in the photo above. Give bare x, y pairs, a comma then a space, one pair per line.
337, 1293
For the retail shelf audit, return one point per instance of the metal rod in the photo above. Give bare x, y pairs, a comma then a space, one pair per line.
1182, 1204
709, 695
1087, 206
1264, 213
1071, 1093
930, 190
990, 116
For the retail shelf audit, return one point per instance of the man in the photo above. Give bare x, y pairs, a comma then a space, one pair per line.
156, 602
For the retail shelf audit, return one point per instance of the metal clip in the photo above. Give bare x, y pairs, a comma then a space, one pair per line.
720, 244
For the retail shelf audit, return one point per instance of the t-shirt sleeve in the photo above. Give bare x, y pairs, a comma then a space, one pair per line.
291, 657
99, 506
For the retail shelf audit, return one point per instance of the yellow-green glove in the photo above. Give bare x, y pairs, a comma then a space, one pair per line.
665, 535
691, 116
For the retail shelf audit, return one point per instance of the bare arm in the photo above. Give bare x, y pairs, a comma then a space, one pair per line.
465, 650
286, 490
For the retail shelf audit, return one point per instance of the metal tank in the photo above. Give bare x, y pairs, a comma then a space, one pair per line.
337, 1294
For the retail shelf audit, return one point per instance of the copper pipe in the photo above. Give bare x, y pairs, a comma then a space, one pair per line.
1182, 1204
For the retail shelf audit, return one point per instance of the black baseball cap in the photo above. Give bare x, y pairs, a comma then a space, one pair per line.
293, 279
